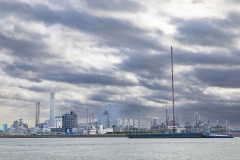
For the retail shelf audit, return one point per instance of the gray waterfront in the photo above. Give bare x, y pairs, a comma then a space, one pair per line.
118, 148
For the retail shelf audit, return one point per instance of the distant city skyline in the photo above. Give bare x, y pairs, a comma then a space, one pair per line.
93, 53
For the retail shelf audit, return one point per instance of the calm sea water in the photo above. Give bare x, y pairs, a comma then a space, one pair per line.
119, 149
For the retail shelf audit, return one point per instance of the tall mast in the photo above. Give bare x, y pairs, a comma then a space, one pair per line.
174, 129
166, 120
139, 121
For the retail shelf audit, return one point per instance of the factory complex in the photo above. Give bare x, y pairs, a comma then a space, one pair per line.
107, 121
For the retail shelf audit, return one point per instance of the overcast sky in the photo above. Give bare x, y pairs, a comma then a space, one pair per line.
91, 53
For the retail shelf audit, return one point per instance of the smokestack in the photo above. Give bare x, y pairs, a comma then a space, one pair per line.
37, 114
52, 110
226, 126
21, 118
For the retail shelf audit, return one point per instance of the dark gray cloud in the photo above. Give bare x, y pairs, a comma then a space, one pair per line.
115, 5
48, 72
13, 71
87, 78
25, 49
20, 70
37, 89
210, 111
231, 21
215, 58
27, 11
208, 32
99, 97
160, 97
235, 1
116, 33
219, 77
147, 65
153, 85
27, 66
34, 80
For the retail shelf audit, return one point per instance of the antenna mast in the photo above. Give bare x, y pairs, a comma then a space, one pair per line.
166, 120
174, 129
87, 119
139, 121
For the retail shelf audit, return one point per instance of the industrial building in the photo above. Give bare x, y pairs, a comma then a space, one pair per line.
5, 127
45, 124
65, 123
69, 121
16, 126
58, 122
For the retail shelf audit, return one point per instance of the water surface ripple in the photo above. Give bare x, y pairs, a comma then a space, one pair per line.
118, 149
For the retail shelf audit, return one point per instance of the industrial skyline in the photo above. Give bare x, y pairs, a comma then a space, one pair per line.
109, 117
94, 53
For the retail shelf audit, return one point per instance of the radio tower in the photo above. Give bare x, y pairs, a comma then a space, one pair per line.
174, 129
87, 118
166, 119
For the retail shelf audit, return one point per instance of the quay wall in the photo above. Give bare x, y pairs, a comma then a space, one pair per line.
63, 136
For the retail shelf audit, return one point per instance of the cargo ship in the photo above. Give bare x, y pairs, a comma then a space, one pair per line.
179, 135
166, 135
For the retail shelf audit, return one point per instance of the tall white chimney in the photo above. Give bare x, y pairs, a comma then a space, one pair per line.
21, 118
52, 110
37, 114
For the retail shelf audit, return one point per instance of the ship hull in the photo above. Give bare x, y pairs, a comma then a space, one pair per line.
216, 136
169, 135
